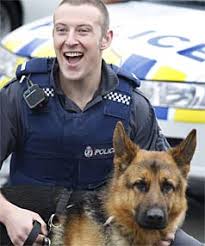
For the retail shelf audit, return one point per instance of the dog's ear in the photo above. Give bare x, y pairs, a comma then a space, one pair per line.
184, 152
125, 149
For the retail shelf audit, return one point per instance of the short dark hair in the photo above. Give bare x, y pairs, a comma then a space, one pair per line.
99, 4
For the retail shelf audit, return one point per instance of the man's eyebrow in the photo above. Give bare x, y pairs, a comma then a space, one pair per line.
85, 25
60, 24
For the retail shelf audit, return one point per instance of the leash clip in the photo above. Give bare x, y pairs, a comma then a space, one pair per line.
53, 222
46, 241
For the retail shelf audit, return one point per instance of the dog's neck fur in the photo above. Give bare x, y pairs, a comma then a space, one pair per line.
116, 234
93, 205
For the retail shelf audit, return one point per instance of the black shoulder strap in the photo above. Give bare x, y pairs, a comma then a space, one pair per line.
63, 202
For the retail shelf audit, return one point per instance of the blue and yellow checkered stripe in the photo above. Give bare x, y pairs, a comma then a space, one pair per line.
180, 115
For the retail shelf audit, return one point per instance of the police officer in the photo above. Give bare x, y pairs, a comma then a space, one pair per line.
59, 114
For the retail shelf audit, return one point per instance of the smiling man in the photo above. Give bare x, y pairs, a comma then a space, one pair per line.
78, 44
61, 112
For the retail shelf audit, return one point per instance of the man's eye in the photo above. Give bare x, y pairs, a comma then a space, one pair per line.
83, 31
61, 30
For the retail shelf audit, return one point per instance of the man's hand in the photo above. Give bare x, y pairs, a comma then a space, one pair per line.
168, 240
19, 223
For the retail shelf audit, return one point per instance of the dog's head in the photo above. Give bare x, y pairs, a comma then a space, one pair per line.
148, 187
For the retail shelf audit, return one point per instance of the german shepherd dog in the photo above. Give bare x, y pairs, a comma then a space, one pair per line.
142, 202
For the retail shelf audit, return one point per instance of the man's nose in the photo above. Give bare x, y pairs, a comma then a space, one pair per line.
71, 38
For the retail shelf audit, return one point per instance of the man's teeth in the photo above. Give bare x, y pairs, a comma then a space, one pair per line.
73, 54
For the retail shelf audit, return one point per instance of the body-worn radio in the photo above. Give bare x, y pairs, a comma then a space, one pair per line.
34, 95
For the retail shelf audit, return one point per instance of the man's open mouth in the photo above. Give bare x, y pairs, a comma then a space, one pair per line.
73, 57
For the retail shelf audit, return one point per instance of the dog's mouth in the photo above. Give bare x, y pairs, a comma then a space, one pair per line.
152, 226
153, 219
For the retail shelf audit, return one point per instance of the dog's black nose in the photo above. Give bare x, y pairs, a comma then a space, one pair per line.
153, 218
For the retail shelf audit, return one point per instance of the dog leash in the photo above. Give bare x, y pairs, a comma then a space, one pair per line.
53, 221
33, 234
61, 207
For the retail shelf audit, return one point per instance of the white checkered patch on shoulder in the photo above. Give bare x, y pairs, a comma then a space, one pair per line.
49, 92
118, 97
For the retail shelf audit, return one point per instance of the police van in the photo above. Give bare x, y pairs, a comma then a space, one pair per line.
160, 43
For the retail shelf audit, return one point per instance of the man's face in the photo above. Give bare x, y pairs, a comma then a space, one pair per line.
78, 40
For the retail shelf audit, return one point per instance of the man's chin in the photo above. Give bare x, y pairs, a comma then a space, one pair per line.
72, 76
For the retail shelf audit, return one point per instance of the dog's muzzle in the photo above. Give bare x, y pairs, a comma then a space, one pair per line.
153, 218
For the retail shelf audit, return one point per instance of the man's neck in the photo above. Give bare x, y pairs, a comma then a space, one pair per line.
80, 92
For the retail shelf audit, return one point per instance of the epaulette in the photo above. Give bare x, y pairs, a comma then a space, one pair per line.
35, 65
126, 75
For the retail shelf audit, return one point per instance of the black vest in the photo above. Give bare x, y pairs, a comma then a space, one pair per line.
68, 149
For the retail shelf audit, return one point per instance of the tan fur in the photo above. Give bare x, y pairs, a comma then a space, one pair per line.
83, 231
165, 175
123, 202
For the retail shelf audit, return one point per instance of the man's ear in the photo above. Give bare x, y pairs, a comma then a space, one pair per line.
125, 149
183, 153
106, 40
52, 32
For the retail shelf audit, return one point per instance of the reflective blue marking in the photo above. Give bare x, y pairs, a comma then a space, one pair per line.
29, 48
192, 52
42, 25
156, 41
161, 112
140, 34
139, 65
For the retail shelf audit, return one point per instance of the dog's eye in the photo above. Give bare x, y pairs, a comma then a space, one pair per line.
167, 187
141, 185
